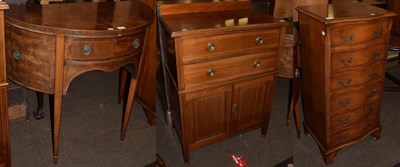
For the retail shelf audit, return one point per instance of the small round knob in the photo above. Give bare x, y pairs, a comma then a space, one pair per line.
86, 50
136, 43
17, 54
211, 46
211, 72
257, 64
259, 40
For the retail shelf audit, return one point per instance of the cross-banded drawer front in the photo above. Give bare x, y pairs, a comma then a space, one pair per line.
89, 49
351, 99
218, 71
355, 131
214, 46
360, 77
352, 117
359, 33
345, 61
129, 44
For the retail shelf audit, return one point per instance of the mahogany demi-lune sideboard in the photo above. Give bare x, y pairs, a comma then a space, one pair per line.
48, 46
5, 159
222, 60
343, 56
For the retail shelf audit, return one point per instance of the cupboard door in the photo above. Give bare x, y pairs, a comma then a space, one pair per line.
207, 115
251, 104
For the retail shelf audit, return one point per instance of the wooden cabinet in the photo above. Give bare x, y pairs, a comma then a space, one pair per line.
5, 159
344, 48
222, 66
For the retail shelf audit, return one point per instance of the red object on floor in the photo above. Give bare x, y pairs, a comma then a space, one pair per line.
238, 160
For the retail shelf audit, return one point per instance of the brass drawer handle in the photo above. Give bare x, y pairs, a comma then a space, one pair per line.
344, 103
346, 63
347, 40
211, 72
86, 50
344, 121
211, 46
373, 75
375, 55
378, 33
17, 54
371, 93
257, 64
369, 109
344, 85
136, 43
259, 40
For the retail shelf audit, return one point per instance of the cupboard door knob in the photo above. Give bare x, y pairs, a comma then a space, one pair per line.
17, 54
136, 43
211, 46
211, 72
86, 50
259, 40
257, 64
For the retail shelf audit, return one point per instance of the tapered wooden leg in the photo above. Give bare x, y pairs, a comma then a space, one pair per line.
38, 113
128, 109
57, 119
291, 104
122, 82
296, 109
186, 155
297, 119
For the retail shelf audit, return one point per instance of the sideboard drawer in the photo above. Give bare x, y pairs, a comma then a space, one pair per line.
344, 61
219, 71
214, 46
129, 44
352, 117
89, 49
347, 101
360, 77
359, 33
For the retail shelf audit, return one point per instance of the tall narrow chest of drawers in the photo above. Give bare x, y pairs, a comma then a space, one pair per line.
343, 56
222, 65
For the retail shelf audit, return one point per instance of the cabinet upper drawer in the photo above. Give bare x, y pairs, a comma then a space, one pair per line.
214, 46
344, 61
358, 33
219, 71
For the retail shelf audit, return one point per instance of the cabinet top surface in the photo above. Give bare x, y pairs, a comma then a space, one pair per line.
159, 2
192, 23
342, 11
105, 17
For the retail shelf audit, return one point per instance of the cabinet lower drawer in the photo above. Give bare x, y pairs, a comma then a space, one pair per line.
349, 100
352, 117
355, 131
211, 47
219, 71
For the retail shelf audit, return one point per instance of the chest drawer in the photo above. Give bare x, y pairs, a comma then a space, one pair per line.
355, 131
347, 101
360, 77
359, 33
214, 72
214, 46
352, 117
344, 61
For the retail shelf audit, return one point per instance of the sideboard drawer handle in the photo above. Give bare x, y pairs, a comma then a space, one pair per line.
136, 43
86, 50
344, 103
345, 39
17, 54
378, 33
373, 75
211, 72
257, 64
259, 40
211, 46
344, 121
371, 93
375, 55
